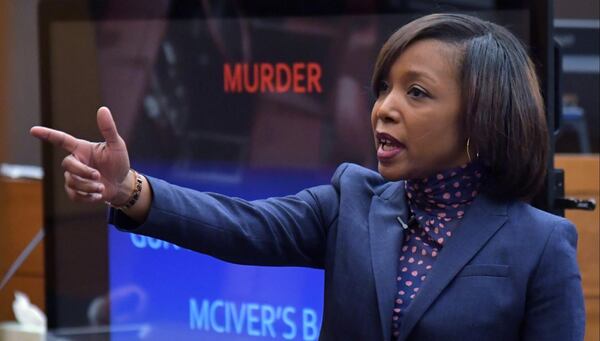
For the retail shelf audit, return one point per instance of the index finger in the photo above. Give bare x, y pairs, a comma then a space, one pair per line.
56, 137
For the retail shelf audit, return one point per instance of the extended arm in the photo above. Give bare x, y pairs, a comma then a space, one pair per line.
277, 231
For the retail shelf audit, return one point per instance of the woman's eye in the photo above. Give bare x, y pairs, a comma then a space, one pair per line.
417, 92
383, 87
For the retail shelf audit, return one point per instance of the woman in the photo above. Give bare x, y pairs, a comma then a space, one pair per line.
440, 245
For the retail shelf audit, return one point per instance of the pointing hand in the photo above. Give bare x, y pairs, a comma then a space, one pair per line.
94, 171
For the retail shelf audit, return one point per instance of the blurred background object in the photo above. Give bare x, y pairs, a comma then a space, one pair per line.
577, 28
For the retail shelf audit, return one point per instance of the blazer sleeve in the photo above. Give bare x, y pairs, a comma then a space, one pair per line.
555, 307
289, 231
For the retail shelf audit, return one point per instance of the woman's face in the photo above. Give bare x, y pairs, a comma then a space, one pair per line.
416, 118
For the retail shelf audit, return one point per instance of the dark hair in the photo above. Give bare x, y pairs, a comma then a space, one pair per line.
501, 100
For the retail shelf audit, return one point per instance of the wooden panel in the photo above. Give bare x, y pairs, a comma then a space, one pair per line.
592, 330
20, 221
582, 173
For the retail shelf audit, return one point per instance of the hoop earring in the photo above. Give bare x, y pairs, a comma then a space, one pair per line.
468, 153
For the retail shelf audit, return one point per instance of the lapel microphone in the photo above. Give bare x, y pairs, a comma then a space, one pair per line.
404, 225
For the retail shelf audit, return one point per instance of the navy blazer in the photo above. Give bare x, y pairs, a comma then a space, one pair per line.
509, 272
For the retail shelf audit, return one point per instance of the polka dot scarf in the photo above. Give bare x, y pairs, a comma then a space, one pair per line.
438, 203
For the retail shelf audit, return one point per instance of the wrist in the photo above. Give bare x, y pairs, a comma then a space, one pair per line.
126, 190
123, 190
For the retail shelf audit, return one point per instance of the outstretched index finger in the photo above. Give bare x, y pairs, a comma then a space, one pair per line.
107, 126
56, 137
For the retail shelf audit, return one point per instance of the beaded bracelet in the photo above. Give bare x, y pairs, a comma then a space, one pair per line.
135, 193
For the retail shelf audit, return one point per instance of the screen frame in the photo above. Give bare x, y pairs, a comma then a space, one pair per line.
541, 48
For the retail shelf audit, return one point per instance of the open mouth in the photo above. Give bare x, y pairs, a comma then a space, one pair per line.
387, 146
387, 142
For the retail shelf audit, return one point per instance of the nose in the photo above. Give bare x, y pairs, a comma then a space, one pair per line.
387, 110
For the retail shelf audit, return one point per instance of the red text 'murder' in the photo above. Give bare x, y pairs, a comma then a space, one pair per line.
272, 77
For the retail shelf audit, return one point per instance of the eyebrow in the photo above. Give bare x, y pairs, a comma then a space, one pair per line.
416, 74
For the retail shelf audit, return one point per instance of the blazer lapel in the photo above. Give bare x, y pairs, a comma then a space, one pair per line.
386, 237
482, 220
